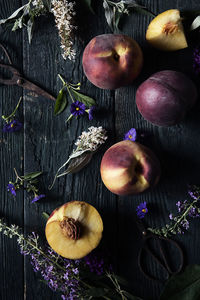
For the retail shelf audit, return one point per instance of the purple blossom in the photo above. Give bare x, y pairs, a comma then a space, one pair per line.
142, 210
77, 108
91, 112
38, 197
185, 224
193, 195
170, 216
95, 263
131, 135
12, 126
11, 189
196, 60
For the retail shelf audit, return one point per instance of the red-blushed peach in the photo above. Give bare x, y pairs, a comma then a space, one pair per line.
111, 61
129, 168
165, 97
74, 229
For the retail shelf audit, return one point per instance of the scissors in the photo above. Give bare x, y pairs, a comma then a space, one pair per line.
18, 79
161, 260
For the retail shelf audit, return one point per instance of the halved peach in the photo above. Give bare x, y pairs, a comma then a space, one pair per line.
74, 229
166, 32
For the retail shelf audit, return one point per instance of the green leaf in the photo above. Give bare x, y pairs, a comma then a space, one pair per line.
78, 163
184, 286
195, 24
109, 14
88, 101
45, 216
61, 102
31, 175
88, 4
30, 27
13, 15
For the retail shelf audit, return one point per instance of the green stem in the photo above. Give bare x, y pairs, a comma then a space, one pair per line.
14, 111
64, 83
68, 89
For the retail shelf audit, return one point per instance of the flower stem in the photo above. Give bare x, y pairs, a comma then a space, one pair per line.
13, 113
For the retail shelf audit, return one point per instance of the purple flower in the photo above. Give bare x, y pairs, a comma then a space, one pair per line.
196, 60
170, 216
142, 210
37, 197
192, 195
11, 188
91, 112
185, 224
131, 135
77, 108
12, 126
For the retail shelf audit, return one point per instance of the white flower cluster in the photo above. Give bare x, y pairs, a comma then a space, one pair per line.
38, 4
64, 15
92, 139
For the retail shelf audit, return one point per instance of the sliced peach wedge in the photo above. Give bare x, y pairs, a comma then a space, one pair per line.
165, 32
74, 229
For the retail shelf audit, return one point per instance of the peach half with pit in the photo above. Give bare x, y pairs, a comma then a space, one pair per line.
111, 61
129, 168
165, 32
74, 229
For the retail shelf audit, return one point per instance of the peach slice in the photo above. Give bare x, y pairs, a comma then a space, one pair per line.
166, 32
74, 229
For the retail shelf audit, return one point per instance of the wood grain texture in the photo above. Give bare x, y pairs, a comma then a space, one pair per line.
174, 147
47, 143
11, 156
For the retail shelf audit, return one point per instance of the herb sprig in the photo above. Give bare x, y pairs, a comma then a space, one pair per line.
27, 182
80, 102
186, 210
115, 10
86, 145
26, 14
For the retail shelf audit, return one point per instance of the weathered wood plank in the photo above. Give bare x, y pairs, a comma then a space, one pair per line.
11, 155
48, 141
176, 148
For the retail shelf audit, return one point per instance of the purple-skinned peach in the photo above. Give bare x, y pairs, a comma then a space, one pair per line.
74, 229
129, 168
111, 61
165, 97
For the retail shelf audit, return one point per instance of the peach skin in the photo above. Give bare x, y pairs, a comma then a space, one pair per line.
111, 61
129, 168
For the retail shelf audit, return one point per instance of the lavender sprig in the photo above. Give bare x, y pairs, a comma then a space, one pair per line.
64, 275
186, 210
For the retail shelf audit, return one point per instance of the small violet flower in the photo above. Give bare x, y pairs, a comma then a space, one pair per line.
12, 126
142, 210
77, 108
38, 197
11, 189
91, 112
131, 135
196, 60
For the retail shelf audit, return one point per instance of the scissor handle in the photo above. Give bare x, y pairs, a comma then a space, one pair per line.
164, 264
15, 75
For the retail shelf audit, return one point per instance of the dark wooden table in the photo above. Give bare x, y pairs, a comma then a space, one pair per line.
46, 142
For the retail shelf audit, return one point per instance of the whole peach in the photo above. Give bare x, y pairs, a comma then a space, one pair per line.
111, 61
129, 168
165, 97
